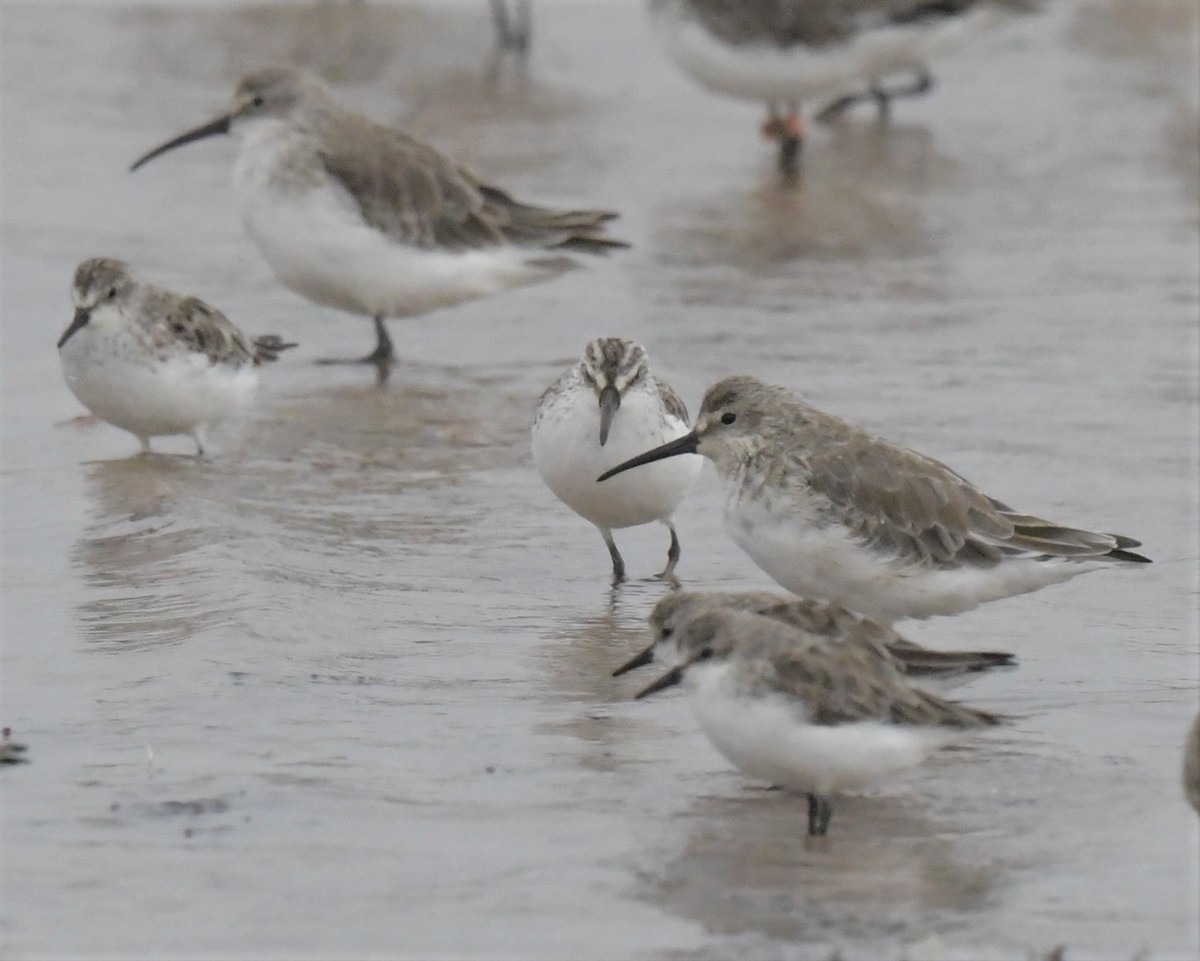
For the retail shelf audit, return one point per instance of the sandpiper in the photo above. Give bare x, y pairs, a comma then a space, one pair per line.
596, 414
818, 716
783, 52
833, 512
153, 362
1191, 765
11, 752
361, 217
810, 618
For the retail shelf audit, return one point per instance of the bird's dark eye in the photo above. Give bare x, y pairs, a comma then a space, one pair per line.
728, 418
666, 632
257, 101
705, 654
112, 293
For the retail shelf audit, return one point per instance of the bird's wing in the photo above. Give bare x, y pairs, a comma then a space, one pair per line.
672, 401
901, 501
841, 682
418, 197
406, 189
816, 23
193, 325
917, 507
829, 619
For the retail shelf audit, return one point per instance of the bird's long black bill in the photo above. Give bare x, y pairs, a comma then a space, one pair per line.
670, 679
211, 129
610, 403
686, 444
79, 320
640, 659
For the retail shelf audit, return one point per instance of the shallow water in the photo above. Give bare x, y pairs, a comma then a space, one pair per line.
344, 687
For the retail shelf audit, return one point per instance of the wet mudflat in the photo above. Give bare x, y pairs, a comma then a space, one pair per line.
344, 687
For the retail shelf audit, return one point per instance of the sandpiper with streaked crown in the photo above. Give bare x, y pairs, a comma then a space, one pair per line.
805, 712
153, 362
833, 512
922, 665
784, 52
363, 218
598, 413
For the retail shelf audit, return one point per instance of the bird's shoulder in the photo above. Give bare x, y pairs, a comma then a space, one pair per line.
895, 497
406, 188
190, 324
856, 679
672, 403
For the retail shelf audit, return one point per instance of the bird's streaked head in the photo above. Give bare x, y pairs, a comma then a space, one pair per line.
101, 285
611, 366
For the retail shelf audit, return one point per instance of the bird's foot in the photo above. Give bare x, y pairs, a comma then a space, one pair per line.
83, 420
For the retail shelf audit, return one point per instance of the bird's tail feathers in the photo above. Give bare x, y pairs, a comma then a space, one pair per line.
268, 347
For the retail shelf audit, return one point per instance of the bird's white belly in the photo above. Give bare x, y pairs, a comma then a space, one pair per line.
764, 72
568, 455
824, 560
768, 738
151, 398
314, 239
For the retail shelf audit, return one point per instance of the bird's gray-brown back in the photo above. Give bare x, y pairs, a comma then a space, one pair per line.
838, 681
815, 23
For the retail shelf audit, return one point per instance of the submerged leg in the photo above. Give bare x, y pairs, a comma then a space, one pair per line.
668, 572
617, 562
198, 437
819, 813
383, 356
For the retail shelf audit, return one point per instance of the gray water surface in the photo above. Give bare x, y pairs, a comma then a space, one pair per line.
343, 688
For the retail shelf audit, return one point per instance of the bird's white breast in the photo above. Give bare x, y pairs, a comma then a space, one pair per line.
568, 455
117, 379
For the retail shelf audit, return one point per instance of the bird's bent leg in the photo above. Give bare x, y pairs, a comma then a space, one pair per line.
383, 356
617, 562
673, 552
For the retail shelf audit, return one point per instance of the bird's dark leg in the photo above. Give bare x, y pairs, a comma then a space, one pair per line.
883, 103
383, 356
524, 32
834, 110
617, 562
788, 129
819, 813
881, 95
668, 572
513, 33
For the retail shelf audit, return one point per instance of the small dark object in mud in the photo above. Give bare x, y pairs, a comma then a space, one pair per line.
11, 752
192, 808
